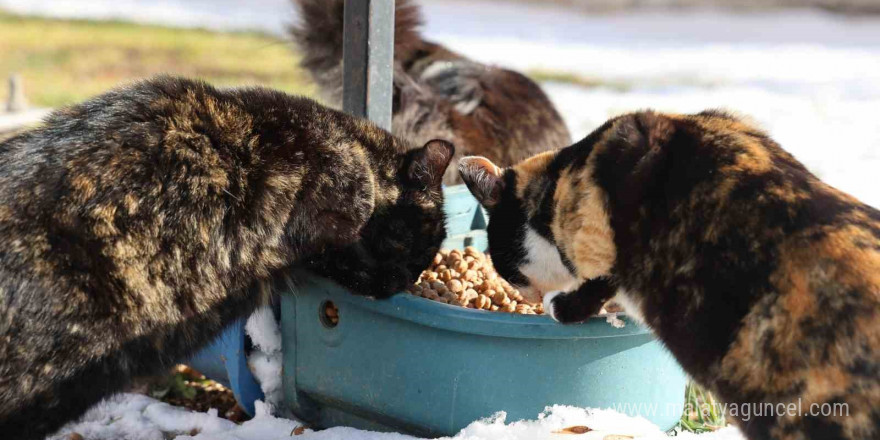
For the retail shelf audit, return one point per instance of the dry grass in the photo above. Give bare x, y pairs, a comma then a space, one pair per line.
64, 61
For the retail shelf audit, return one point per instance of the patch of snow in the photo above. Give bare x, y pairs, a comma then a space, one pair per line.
137, 417
262, 427
263, 329
553, 24
266, 368
12, 121
615, 321
170, 419
557, 418
266, 361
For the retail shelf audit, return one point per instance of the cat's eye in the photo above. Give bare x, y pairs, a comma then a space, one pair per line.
328, 314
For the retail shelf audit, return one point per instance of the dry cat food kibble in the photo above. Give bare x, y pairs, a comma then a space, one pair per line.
468, 279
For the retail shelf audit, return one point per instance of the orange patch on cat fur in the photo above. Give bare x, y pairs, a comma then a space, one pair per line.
862, 268
746, 365
824, 383
793, 278
528, 169
733, 123
5, 213
805, 267
787, 193
582, 220
131, 203
83, 185
105, 216
752, 159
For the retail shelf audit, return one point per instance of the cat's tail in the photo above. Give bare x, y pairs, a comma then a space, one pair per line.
318, 34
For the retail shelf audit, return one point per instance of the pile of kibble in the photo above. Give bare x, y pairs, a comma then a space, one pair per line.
468, 279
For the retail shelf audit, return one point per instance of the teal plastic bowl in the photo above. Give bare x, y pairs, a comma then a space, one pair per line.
427, 368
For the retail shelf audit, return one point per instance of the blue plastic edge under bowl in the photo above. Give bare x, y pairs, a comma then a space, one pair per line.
225, 361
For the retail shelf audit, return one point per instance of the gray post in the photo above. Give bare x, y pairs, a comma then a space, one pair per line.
17, 102
367, 60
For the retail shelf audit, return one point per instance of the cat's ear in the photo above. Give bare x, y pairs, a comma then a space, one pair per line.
428, 164
483, 179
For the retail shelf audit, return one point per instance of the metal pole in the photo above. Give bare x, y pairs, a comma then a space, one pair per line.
367, 59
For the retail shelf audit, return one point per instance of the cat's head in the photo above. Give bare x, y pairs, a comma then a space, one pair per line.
410, 227
519, 201
550, 220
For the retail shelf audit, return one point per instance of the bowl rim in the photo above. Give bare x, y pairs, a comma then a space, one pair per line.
407, 307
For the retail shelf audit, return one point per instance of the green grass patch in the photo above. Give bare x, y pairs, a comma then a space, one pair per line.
702, 411
65, 61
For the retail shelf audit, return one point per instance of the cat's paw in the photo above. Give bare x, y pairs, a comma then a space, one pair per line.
549, 308
570, 307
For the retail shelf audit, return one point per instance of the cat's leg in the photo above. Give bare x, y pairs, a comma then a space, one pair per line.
580, 304
355, 268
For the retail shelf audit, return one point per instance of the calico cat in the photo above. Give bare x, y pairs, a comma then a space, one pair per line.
131, 225
484, 110
763, 281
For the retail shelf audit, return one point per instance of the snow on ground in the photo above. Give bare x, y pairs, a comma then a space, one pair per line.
137, 417
266, 360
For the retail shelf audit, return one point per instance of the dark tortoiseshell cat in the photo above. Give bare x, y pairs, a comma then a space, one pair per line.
131, 224
763, 281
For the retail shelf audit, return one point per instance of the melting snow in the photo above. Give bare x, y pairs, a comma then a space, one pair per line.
137, 417
266, 361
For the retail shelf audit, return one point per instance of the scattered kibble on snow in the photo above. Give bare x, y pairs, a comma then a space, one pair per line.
574, 430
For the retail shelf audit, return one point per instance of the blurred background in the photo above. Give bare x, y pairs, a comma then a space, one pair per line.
807, 70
